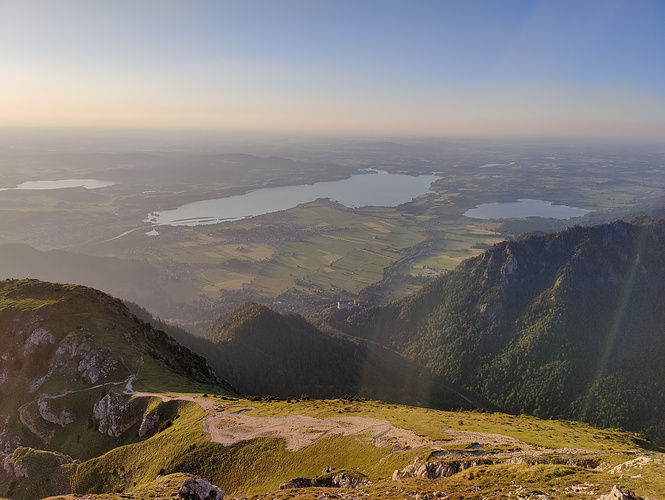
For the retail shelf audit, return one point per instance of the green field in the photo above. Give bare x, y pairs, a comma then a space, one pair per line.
317, 252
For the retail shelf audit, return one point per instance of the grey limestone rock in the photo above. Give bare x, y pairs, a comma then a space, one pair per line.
199, 489
148, 422
62, 417
617, 494
436, 470
329, 480
37, 337
77, 355
115, 414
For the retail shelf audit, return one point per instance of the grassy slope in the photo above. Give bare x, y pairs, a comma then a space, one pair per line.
432, 423
260, 465
140, 354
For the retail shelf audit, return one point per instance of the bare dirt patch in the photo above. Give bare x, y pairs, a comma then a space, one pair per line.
229, 425
299, 431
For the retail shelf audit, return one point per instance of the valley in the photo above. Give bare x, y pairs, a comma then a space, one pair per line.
305, 257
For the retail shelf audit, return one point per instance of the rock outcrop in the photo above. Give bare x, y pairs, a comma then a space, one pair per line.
116, 415
37, 337
29, 416
436, 470
36, 474
60, 417
343, 479
77, 356
617, 494
199, 489
148, 422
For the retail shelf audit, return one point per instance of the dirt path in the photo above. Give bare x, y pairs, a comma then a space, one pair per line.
483, 438
230, 427
208, 405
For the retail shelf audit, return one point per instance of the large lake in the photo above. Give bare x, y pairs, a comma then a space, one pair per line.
524, 208
380, 189
64, 183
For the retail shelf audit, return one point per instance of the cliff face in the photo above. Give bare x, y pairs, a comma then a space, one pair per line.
569, 325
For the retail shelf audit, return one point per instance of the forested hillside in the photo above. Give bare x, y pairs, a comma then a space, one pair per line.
569, 325
264, 353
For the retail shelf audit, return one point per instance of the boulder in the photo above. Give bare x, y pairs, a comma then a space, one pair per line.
617, 494
199, 489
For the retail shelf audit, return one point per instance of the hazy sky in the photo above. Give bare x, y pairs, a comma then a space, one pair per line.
561, 67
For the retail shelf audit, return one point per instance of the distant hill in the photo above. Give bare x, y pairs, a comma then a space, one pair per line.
569, 325
261, 352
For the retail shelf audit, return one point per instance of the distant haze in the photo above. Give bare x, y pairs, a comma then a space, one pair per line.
547, 68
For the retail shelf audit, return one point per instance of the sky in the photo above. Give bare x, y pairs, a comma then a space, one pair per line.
589, 68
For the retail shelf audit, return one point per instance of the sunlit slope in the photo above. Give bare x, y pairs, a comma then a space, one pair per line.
568, 325
251, 447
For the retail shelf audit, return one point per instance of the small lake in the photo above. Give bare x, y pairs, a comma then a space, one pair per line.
524, 208
65, 183
380, 189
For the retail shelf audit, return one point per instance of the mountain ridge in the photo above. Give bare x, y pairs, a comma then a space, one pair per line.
59, 341
566, 325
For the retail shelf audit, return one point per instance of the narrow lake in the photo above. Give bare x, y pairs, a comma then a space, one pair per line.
380, 189
524, 208
61, 184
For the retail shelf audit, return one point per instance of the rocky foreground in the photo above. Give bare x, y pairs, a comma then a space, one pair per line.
467, 464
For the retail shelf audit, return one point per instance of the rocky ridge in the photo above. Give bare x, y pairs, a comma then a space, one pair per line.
68, 358
566, 325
